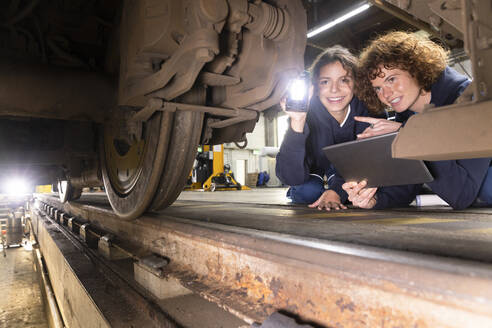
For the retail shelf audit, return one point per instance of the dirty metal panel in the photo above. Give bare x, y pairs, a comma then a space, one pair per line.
447, 133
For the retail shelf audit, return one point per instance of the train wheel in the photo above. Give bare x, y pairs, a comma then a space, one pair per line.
66, 192
132, 166
185, 137
147, 172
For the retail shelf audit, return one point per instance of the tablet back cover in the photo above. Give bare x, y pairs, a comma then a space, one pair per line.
371, 159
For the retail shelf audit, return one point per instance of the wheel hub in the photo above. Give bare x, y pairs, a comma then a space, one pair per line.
124, 160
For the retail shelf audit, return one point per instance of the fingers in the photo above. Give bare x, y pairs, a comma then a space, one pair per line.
328, 200
354, 192
370, 133
359, 195
352, 188
333, 205
320, 205
366, 197
315, 204
367, 192
359, 186
377, 122
367, 119
379, 129
329, 206
283, 103
349, 185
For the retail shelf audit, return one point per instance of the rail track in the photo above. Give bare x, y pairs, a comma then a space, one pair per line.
251, 273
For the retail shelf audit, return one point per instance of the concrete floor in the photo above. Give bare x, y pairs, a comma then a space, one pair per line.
21, 304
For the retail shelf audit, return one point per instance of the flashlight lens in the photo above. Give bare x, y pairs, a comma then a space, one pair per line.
298, 94
297, 90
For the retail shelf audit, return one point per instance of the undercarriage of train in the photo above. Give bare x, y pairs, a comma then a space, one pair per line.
120, 93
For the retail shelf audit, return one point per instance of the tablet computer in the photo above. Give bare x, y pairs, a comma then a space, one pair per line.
371, 159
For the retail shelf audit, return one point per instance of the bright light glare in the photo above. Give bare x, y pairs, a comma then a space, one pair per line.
297, 89
28, 246
16, 187
340, 19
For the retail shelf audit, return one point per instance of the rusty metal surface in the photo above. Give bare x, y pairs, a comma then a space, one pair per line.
88, 292
434, 231
252, 273
428, 16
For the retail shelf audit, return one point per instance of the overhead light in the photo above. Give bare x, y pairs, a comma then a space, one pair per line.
356, 11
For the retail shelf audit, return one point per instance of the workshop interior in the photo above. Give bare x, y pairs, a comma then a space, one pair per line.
139, 141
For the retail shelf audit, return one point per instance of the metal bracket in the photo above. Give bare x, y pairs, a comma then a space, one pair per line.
154, 264
64, 219
56, 215
72, 226
86, 236
235, 115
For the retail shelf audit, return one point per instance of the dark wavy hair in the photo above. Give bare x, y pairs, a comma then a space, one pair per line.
331, 55
419, 56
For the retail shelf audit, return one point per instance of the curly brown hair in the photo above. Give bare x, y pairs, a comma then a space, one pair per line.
419, 56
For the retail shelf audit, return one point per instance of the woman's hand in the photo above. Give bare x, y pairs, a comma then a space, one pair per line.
297, 119
359, 195
328, 200
378, 126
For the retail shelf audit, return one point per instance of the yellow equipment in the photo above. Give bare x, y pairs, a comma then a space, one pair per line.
43, 189
220, 178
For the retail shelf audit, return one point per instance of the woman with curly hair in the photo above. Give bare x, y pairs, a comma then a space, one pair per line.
301, 163
406, 73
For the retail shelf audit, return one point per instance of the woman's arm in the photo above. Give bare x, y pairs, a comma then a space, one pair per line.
292, 166
458, 182
380, 198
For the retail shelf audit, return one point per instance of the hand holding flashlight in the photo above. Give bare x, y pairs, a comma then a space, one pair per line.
298, 93
295, 104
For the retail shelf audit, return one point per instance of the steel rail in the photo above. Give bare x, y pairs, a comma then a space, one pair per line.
252, 273
130, 291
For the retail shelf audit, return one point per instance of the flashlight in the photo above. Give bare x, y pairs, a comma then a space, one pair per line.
298, 94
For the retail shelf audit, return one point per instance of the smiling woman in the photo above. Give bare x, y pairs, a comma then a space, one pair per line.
406, 72
329, 120
395, 62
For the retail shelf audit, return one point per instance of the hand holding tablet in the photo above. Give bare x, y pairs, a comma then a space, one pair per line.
371, 160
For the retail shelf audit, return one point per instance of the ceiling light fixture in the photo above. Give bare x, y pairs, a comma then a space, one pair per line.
356, 11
